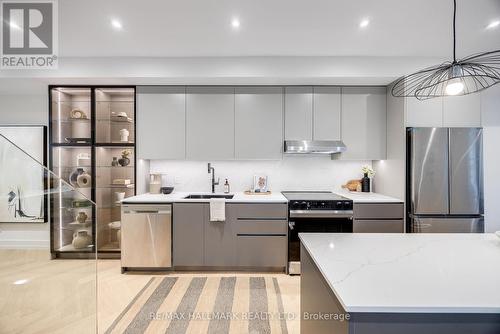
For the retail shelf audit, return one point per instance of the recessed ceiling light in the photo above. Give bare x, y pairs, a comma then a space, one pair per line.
116, 24
20, 282
493, 24
235, 23
364, 23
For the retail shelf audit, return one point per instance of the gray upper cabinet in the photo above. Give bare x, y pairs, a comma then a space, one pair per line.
210, 123
326, 113
298, 113
462, 111
424, 113
364, 115
161, 120
258, 122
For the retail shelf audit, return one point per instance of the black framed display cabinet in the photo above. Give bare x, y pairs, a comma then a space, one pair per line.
92, 147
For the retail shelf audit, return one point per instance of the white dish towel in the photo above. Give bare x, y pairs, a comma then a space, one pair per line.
217, 209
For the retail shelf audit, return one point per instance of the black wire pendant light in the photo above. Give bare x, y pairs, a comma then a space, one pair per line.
458, 77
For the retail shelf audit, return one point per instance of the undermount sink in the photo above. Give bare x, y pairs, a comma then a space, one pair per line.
208, 196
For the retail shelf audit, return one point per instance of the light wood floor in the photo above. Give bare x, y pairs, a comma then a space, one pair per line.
60, 295
116, 290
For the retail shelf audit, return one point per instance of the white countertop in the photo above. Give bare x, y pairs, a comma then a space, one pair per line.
178, 197
421, 273
360, 197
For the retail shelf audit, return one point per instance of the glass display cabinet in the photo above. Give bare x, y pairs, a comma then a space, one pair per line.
92, 147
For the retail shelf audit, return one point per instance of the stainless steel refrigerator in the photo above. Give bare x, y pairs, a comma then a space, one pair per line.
444, 180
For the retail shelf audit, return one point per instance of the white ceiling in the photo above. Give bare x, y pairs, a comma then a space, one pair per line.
166, 28
278, 42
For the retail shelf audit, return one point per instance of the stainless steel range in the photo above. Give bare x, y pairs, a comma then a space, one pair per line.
314, 212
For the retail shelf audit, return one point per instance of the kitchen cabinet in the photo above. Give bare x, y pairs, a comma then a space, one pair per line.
450, 111
258, 122
219, 239
462, 111
161, 122
312, 113
378, 218
188, 234
299, 113
424, 113
210, 123
261, 232
326, 113
364, 115
253, 235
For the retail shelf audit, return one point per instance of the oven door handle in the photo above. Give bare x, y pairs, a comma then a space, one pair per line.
321, 214
291, 225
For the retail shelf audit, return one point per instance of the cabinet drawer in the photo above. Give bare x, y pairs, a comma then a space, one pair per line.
259, 211
261, 251
245, 226
378, 226
379, 211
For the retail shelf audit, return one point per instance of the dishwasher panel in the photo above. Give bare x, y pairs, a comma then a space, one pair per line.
146, 236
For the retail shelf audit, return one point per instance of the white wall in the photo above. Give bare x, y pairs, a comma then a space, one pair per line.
490, 117
31, 110
291, 173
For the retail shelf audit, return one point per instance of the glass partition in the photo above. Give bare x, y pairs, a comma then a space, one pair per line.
39, 294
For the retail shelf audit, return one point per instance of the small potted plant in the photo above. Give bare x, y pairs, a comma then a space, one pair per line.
368, 173
124, 160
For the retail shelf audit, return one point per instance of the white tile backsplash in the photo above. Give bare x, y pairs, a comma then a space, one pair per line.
291, 173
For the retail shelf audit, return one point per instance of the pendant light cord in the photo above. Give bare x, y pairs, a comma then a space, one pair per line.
454, 30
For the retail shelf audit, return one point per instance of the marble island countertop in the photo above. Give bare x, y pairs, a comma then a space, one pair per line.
179, 197
410, 273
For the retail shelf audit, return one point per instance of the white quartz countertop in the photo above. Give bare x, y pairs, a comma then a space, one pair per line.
359, 197
410, 273
178, 197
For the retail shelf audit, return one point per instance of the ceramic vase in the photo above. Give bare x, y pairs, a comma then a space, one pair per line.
124, 161
81, 239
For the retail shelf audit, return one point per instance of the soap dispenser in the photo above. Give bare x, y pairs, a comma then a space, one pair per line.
226, 187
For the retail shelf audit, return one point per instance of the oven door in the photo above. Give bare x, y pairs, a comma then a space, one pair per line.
314, 223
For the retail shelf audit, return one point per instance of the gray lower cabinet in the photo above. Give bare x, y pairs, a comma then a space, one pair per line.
258, 122
261, 251
253, 235
188, 234
378, 218
161, 118
210, 123
219, 240
261, 235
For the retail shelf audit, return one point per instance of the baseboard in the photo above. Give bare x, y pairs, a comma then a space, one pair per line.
24, 244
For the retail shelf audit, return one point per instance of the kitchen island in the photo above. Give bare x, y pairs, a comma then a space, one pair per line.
400, 283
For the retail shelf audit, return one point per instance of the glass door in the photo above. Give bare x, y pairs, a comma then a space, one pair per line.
115, 162
71, 116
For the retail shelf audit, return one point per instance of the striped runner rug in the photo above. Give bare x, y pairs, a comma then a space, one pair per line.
215, 305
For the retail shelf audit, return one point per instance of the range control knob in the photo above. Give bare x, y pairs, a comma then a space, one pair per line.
295, 205
338, 205
303, 205
348, 205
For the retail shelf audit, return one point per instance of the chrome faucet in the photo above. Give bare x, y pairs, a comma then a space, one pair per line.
212, 170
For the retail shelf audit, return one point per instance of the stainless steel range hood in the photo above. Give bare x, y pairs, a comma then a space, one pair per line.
314, 146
